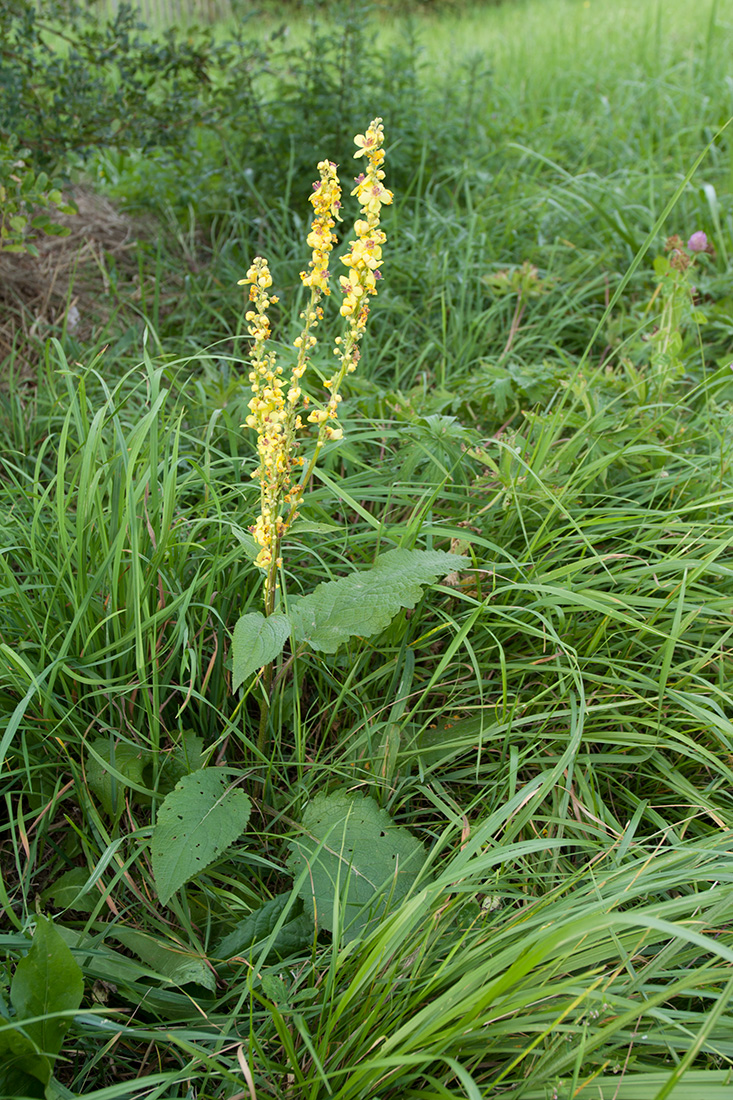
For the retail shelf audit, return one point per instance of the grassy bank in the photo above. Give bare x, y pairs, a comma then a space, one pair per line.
537, 736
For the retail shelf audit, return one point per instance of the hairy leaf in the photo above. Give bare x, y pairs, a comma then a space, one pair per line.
111, 768
196, 823
17, 1082
364, 603
252, 932
176, 965
355, 855
256, 642
67, 891
46, 981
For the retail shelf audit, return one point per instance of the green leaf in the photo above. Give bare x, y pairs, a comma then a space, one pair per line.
256, 642
197, 821
176, 965
186, 757
16, 1082
313, 527
53, 229
66, 891
246, 541
56, 1091
46, 981
354, 853
503, 393
112, 767
102, 961
251, 933
365, 603
23, 1071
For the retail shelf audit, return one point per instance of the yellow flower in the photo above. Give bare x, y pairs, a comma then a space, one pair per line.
326, 200
365, 142
372, 195
275, 403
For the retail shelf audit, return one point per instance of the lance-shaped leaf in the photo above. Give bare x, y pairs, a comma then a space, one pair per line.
198, 821
176, 964
256, 642
251, 934
359, 863
364, 603
47, 981
113, 768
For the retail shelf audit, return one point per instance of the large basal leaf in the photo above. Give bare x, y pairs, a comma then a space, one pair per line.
186, 757
251, 933
16, 1082
67, 891
46, 981
365, 603
353, 851
255, 643
176, 965
196, 823
128, 761
23, 1071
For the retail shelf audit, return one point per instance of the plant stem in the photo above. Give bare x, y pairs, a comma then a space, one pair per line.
516, 322
267, 672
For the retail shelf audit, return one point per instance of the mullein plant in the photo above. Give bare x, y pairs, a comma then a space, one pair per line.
278, 405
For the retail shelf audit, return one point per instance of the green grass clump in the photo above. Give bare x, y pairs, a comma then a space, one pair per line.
544, 390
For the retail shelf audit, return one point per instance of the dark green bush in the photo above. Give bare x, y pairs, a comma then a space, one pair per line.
87, 82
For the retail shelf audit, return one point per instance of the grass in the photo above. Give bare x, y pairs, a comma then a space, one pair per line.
552, 722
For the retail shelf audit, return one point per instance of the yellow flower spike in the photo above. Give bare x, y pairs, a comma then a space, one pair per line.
326, 201
276, 402
267, 410
362, 260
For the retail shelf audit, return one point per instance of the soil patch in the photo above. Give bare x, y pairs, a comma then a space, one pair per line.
76, 282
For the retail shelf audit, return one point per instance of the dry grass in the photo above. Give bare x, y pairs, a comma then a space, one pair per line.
69, 284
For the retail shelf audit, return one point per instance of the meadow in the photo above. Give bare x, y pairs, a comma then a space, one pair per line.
417, 782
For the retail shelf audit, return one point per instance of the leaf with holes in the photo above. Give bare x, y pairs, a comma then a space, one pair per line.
359, 863
364, 603
197, 821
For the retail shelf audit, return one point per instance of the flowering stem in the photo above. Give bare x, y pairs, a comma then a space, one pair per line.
274, 405
268, 669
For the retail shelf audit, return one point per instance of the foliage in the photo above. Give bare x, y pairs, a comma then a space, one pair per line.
543, 737
88, 82
198, 820
364, 603
359, 866
46, 990
279, 927
26, 198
